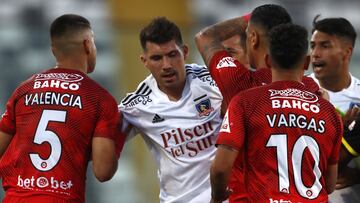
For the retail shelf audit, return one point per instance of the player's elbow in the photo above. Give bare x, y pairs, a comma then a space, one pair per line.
200, 39
104, 173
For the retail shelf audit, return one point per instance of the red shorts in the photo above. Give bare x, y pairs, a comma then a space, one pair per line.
36, 199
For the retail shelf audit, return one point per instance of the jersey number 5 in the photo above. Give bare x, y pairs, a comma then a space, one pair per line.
43, 135
280, 142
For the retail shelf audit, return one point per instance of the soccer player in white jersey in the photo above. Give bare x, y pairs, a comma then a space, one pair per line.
176, 109
332, 45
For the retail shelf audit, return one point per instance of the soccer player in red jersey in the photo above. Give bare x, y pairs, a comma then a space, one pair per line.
291, 137
58, 120
231, 75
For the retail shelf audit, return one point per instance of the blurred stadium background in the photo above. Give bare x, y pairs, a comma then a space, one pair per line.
25, 49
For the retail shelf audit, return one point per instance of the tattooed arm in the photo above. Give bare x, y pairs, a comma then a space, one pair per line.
209, 40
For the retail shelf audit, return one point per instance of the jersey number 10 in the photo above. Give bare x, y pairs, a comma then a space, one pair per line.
280, 142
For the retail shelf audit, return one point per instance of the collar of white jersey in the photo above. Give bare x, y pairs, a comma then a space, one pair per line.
160, 94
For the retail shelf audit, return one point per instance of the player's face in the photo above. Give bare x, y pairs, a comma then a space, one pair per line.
166, 63
92, 56
328, 56
236, 49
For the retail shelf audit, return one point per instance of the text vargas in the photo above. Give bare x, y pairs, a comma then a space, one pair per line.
293, 120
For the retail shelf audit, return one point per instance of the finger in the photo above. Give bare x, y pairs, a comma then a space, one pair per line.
339, 186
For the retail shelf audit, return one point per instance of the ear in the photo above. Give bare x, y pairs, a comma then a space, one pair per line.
254, 39
53, 50
348, 52
87, 46
185, 49
143, 59
306, 62
268, 61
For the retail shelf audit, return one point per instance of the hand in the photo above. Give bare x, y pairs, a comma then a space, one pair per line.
224, 197
349, 177
351, 115
324, 94
213, 201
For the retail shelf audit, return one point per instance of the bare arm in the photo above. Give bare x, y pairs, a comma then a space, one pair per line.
330, 177
209, 40
220, 172
5, 140
104, 158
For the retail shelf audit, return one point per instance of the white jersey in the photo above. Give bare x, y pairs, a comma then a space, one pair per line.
180, 134
346, 98
343, 101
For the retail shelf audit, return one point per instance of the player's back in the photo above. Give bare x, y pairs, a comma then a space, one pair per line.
55, 115
292, 136
233, 77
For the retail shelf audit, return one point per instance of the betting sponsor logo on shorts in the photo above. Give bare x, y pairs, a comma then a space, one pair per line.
45, 184
226, 62
58, 80
294, 98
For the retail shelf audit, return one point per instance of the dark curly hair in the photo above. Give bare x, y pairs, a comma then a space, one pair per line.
269, 15
288, 45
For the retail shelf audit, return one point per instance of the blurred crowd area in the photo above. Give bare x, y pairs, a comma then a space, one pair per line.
25, 49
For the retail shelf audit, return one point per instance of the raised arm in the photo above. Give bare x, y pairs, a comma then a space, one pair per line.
209, 40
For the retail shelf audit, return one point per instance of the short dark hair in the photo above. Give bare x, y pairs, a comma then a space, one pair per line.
288, 45
68, 23
269, 16
339, 27
159, 31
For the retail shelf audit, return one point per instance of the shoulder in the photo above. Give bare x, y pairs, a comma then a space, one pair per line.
196, 72
140, 96
356, 82
311, 76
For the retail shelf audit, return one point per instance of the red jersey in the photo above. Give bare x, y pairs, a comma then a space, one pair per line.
289, 135
232, 77
53, 117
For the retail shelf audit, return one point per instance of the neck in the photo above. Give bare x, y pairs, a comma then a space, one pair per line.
174, 93
72, 64
336, 84
288, 75
260, 58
